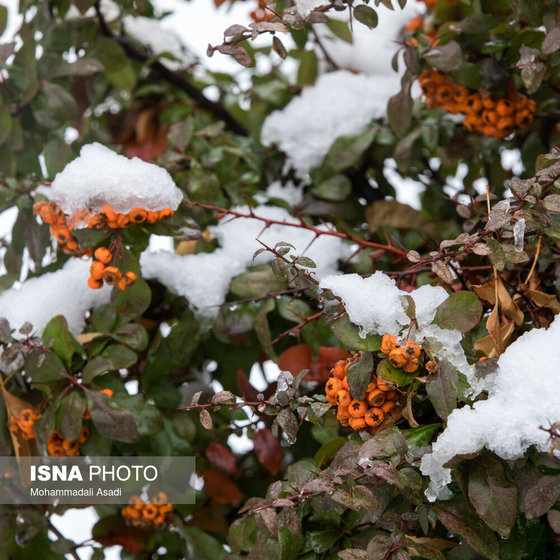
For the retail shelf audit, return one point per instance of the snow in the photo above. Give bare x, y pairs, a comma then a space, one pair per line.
203, 279
305, 7
522, 396
371, 50
100, 176
64, 292
159, 38
375, 304
290, 193
340, 103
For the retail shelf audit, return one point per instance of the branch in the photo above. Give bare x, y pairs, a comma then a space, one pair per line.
62, 537
302, 225
173, 78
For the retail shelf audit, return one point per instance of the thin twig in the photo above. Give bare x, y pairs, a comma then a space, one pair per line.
534, 261
173, 78
61, 536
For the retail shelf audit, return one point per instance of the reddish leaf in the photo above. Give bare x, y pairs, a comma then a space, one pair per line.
221, 457
268, 450
113, 530
220, 487
244, 387
299, 357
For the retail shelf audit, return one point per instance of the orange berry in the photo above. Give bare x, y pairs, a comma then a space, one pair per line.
137, 215
127, 280
94, 283
384, 385
97, 221
38, 206
165, 213
343, 398
111, 275
123, 220
398, 357
110, 214
345, 384
333, 386
357, 408
104, 255
387, 406
342, 413
392, 395
412, 349
374, 417
339, 370
96, 270
357, 423
72, 246
372, 386
108, 392
376, 398
388, 343
411, 366
150, 511
431, 366
151, 217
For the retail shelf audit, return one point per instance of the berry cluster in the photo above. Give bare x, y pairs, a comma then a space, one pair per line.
100, 273
152, 514
497, 117
61, 227
57, 446
379, 399
261, 13
24, 424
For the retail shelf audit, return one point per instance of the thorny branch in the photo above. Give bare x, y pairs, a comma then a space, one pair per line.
302, 225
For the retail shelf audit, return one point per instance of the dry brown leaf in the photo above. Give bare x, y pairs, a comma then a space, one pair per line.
550, 301
186, 247
23, 448
88, 337
487, 292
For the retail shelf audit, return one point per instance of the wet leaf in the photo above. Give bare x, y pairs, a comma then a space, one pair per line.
268, 450
221, 457
359, 375
461, 311
441, 388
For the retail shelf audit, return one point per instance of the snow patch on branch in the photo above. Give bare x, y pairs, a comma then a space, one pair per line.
64, 292
100, 176
203, 279
522, 397
339, 104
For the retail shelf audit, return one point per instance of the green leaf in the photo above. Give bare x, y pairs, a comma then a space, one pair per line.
497, 257
5, 122
200, 545
458, 518
290, 544
347, 150
399, 112
133, 301
359, 375
335, 189
174, 351
71, 412
3, 18
308, 68
288, 422
44, 367
552, 202
54, 106
421, 436
64, 343
348, 334
441, 388
114, 357
492, 495
341, 30
461, 311
328, 450
149, 420
322, 541
366, 15
446, 57
133, 335
57, 154
110, 420
80, 67
387, 372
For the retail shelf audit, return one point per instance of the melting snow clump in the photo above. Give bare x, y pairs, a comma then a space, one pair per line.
100, 176
204, 278
305, 7
340, 103
522, 397
64, 292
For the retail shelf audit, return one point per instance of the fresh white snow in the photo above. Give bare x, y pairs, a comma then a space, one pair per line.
340, 103
101, 176
522, 396
204, 278
64, 292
